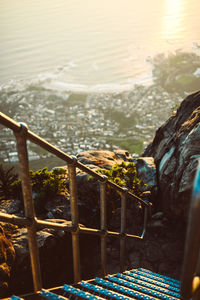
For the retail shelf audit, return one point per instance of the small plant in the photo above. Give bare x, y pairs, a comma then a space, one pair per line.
7, 178
45, 186
125, 175
16, 190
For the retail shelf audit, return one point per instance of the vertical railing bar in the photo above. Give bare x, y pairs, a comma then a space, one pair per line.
29, 206
74, 216
103, 225
146, 211
122, 230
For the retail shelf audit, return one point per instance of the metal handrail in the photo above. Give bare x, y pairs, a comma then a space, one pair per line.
190, 281
23, 134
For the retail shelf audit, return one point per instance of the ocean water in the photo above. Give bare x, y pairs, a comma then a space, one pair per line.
95, 74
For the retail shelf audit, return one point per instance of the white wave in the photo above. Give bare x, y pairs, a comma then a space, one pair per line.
61, 84
67, 87
60, 80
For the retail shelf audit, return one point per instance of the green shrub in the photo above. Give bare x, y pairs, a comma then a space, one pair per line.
7, 178
125, 175
45, 186
16, 190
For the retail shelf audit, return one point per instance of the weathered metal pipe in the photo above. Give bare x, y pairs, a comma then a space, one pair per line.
15, 219
10, 123
103, 224
122, 231
74, 216
190, 281
28, 205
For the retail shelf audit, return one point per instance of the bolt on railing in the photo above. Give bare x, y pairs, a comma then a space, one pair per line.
23, 134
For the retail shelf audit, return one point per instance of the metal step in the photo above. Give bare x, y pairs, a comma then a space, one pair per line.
135, 284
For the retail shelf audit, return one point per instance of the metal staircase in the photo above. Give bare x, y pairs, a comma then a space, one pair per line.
133, 284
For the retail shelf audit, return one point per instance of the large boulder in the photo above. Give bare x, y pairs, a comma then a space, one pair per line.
176, 150
103, 158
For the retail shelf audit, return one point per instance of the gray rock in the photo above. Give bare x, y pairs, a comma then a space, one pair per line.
172, 252
146, 170
11, 206
154, 253
176, 150
58, 208
134, 258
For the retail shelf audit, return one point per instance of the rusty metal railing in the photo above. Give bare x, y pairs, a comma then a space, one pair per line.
23, 134
190, 282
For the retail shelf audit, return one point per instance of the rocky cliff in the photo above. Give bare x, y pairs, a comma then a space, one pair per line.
176, 150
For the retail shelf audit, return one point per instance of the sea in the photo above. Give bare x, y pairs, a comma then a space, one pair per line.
95, 74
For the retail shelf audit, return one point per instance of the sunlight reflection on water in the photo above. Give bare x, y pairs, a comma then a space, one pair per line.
108, 41
173, 19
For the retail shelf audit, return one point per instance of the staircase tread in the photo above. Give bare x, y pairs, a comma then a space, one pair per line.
141, 289
149, 285
124, 290
103, 291
134, 284
161, 278
51, 296
153, 281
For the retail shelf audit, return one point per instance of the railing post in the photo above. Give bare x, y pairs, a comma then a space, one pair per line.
146, 214
74, 216
123, 230
29, 206
103, 224
190, 281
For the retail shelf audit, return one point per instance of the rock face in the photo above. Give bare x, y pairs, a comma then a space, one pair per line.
146, 170
176, 150
7, 258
